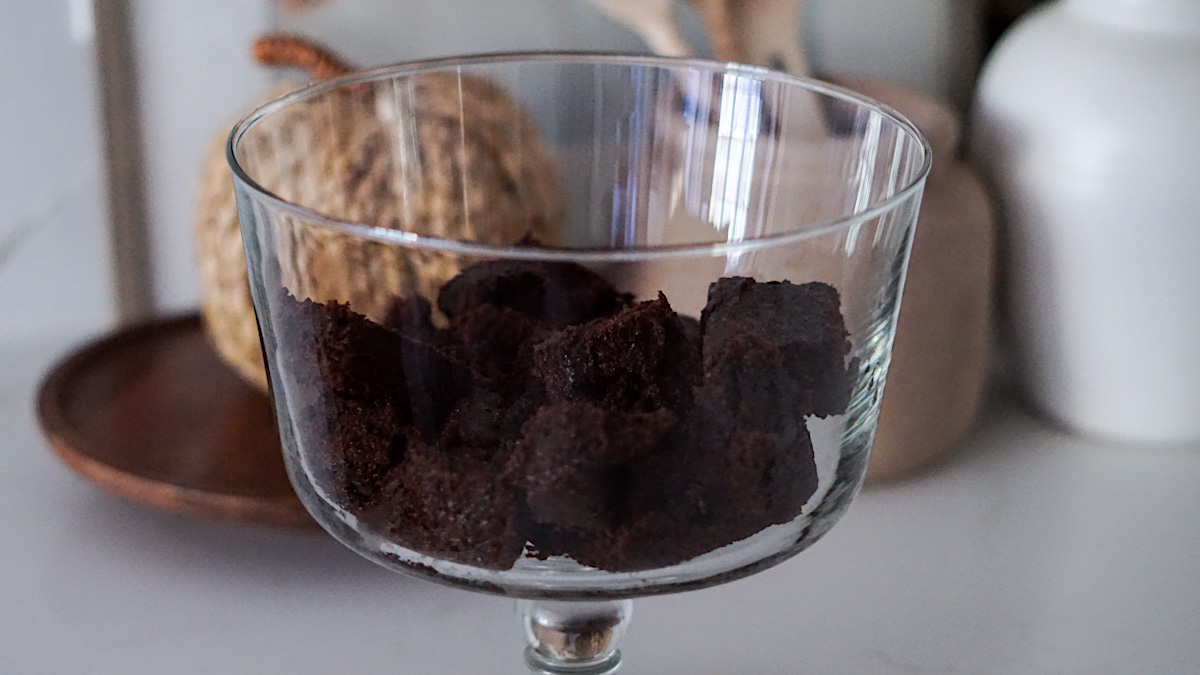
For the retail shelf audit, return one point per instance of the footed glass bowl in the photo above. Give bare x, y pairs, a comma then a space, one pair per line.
576, 328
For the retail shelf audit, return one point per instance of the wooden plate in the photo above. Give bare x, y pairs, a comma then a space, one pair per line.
151, 413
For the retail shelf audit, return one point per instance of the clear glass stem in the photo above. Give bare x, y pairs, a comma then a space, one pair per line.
573, 637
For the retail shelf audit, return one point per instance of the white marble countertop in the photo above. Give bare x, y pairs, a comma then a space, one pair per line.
1031, 552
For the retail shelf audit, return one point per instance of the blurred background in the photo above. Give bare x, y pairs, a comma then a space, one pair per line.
1067, 151
108, 107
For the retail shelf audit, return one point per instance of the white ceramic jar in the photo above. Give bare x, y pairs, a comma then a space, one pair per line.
1087, 124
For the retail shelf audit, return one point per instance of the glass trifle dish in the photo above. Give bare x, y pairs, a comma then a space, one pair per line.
576, 328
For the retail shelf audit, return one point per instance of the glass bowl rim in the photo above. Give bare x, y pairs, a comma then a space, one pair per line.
413, 240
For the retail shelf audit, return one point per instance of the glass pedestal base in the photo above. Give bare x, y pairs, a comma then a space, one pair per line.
580, 638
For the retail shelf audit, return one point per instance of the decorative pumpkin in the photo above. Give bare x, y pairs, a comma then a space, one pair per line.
485, 176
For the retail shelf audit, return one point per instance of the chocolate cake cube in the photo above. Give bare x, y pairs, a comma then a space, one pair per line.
453, 507
639, 359
487, 420
741, 462
717, 493
551, 411
330, 347
554, 294
653, 540
497, 343
351, 445
751, 445
362, 387
756, 479
435, 383
575, 463
412, 317
750, 386
802, 322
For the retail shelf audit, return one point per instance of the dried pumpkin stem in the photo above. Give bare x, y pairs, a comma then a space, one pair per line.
298, 52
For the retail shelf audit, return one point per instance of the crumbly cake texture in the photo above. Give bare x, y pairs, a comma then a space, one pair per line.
552, 415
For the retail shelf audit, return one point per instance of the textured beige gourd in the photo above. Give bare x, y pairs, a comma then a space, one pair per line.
485, 175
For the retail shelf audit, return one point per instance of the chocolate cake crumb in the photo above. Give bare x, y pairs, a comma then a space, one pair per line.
412, 317
343, 371
451, 507
497, 342
554, 294
330, 347
551, 416
639, 359
748, 478
802, 322
576, 460
748, 385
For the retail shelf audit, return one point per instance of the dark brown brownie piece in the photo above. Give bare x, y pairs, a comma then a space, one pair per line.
551, 411
412, 316
657, 493
691, 328
340, 371
713, 488
575, 463
352, 446
435, 383
748, 386
653, 540
497, 342
802, 322
489, 420
639, 359
554, 294
362, 387
748, 477
451, 506
330, 347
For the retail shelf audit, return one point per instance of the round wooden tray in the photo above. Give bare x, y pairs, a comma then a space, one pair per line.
151, 413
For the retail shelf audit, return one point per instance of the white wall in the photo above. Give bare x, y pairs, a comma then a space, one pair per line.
930, 45
196, 74
933, 46
377, 32
196, 77
56, 280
